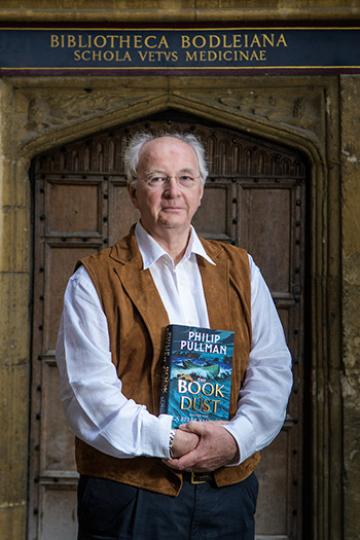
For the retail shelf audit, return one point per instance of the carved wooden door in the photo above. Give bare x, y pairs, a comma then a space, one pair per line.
255, 198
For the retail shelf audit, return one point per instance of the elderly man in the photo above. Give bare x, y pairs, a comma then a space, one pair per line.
139, 478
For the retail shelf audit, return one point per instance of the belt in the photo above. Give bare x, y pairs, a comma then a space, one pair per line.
198, 477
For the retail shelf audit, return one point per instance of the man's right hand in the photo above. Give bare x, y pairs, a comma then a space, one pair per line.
184, 442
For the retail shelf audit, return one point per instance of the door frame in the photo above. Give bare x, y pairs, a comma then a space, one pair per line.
324, 238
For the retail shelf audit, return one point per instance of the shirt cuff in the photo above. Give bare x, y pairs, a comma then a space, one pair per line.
156, 434
243, 432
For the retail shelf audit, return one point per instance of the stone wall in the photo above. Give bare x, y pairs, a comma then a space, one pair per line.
350, 162
15, 287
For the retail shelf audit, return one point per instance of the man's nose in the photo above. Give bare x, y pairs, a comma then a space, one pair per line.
172, 188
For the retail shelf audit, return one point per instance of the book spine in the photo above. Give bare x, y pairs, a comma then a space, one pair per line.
165, 373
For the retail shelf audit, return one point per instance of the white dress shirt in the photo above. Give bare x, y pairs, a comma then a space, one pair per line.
94, 404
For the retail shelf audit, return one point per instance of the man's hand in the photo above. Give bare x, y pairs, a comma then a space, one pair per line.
216, 448
184, 442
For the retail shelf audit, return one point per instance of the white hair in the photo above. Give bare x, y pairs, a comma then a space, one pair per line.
137, 141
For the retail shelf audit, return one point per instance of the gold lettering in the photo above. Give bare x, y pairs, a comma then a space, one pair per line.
148, 40
226, 42
268, 40
237, 40
255, 41
124, 41
101, 56
112, 38
152, 42
185, 402
137, 41
54, 41
190, 56
163, 43
185, 41
108, 56
216, 403
281, 41
71, 41
214, 41
96, 56
254, 56
206, 407
199, 41
100, 41
81, 43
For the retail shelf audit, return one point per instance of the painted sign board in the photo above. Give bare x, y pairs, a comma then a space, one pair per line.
38, 50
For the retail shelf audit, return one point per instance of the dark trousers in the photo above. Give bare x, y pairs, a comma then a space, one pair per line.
108, 510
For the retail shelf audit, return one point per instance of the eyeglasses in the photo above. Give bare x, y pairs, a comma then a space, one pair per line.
184, 181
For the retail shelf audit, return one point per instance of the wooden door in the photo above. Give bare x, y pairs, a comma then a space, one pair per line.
255, 198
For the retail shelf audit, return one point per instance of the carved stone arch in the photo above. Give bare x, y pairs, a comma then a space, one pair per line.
279, 132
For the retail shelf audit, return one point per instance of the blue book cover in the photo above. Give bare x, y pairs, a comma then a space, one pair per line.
196, 376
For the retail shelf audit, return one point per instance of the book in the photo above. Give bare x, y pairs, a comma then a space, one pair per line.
196, 374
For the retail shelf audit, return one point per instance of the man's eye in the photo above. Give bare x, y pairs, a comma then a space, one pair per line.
186, 178
157, 180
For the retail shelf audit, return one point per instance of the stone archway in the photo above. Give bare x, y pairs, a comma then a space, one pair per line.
45, 123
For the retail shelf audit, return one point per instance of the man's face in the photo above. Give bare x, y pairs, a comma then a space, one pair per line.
170, 206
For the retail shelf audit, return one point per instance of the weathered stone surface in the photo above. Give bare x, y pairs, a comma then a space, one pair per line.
352, 455
13, 448
46, 110
13, 520
178, 10
15, 229
14, 402
299, 106
14, 185
49, 110
15, 319
350, 94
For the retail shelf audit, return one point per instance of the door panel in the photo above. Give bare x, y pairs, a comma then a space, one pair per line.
255, 198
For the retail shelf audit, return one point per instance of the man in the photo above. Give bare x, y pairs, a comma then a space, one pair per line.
139, 478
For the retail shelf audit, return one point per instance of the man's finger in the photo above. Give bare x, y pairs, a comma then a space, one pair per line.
195, 427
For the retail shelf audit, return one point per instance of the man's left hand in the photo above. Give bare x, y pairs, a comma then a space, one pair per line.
217, 447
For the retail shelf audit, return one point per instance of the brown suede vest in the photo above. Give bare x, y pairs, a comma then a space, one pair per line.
137, 320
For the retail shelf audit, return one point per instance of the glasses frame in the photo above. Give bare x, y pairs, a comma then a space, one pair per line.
167, 180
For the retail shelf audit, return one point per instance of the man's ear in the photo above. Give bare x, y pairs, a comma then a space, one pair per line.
202, 194
132, 193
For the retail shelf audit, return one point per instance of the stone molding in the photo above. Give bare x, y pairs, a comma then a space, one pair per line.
193, 11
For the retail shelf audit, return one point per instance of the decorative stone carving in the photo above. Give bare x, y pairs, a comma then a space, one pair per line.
302, 109
49, 110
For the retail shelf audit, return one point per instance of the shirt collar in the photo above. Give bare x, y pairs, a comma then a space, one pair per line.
151, 251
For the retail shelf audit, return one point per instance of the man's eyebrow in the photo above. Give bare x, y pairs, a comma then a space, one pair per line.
160, 171
154, 171
187, 169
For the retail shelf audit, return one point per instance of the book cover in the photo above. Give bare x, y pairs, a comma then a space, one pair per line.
196, 376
